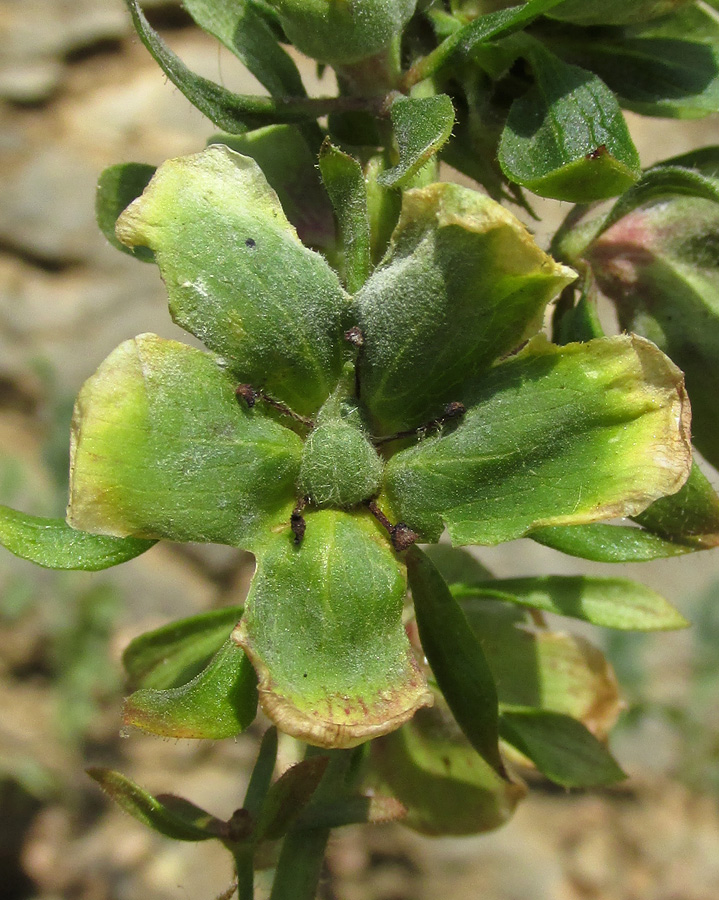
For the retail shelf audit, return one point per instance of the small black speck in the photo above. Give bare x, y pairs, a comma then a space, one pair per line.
305, 675
250, 242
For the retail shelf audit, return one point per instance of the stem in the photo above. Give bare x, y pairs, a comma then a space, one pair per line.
300, 865
303, 850
244, 866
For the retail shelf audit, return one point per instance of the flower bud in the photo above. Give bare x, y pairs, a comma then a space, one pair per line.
342, 31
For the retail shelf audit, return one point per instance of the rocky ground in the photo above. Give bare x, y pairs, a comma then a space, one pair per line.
79, 93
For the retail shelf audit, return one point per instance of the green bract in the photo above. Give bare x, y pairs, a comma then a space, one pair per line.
316, 409
342, 31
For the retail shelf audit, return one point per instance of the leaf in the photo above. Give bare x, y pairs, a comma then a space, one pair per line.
609, 602
290, 167
462, 284
445, 785
666, 68
659, 183
246, 34
660, 266
272, 308
141, 466
262, 772
288, 797
457, 566
150, 810
613, 12
343, 33
553, 436
52, 543
172, 655
560, 747
482, 30
232, 112
608, 543
566, 137
421, 127
549, 670
344, 180
352, 810
218, 703
691, 516
323, 627
455, 657
117, 187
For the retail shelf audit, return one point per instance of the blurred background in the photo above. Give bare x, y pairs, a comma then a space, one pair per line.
78, 93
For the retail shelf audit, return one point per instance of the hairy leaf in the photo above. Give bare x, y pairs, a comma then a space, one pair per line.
667, 68
566, 137
323, 627
548, 670
232, 112
141, 466
218, 703
52, 543
273, 309
343, 177
660, 265
290, 167
462, 284
553, 436
238, 25
148, 809
421, 127
172, 655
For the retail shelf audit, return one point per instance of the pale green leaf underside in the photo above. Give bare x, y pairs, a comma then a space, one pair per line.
323, 627
162, 448
554, 436
446, 786
548, 670
274, 309
609, 602
421, 127
608, 543
52, 543
463, 282
219, 702
659, 265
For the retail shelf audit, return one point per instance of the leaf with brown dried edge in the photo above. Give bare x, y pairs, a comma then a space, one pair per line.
271, 307
142, 467
323, 628
463, 283
553, 436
